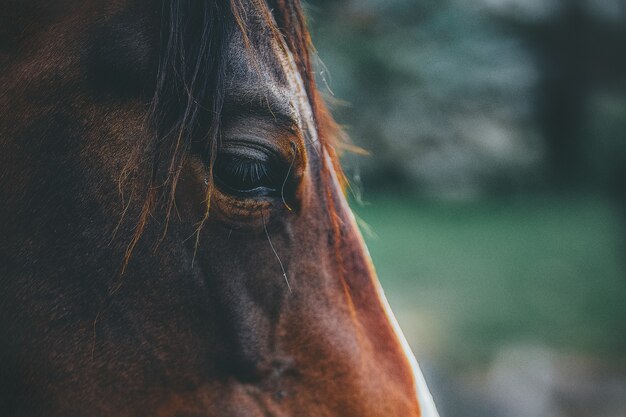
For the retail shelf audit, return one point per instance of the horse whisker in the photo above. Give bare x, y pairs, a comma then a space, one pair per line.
282, 189
282, 267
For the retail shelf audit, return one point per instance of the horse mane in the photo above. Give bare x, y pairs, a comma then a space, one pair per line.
187, 104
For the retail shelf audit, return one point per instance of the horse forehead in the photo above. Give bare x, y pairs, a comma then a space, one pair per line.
250, 78
265, 70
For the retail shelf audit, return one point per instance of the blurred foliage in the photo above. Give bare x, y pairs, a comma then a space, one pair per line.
459, 99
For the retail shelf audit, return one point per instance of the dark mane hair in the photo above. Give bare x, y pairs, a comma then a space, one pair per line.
186, 108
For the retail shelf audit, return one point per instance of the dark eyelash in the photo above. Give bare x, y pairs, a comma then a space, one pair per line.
247, 169
245, 175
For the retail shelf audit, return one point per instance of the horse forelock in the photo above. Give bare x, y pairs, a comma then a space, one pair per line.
187, 104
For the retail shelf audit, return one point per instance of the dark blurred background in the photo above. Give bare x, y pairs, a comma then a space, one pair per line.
494, 198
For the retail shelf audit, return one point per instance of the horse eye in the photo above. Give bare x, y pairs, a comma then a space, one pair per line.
248, 176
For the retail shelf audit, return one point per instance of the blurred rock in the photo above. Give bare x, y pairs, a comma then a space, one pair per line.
521, 382
535, 381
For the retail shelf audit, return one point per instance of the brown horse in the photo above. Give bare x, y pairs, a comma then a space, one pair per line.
174, 239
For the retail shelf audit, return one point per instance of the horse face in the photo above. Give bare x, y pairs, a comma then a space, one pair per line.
188, 253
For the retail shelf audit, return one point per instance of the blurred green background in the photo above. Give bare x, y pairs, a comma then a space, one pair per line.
494, 198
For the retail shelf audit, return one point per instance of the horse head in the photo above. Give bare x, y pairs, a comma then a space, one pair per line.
175, 240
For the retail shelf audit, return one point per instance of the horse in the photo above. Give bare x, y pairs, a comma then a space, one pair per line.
174, 233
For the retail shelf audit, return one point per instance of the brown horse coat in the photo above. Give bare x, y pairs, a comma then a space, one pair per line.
174, 240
